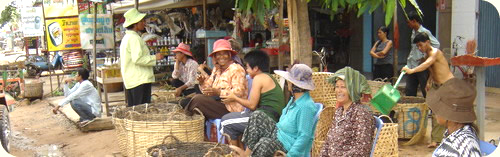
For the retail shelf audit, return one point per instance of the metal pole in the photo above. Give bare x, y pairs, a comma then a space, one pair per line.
113, 27
280, 29
205, 28
480, 100
136, 4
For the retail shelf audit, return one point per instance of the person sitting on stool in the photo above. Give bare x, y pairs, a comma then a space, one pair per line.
83, 97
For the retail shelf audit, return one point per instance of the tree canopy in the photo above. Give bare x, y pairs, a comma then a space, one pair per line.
9, 14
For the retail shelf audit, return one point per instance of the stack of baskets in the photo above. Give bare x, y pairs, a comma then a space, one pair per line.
141, 127
387, 142
322, 127
410, 112
324, 92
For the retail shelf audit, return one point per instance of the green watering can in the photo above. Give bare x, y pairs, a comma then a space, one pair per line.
387, 97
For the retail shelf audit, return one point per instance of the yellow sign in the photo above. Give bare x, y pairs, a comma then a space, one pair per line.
59, 8
63, 34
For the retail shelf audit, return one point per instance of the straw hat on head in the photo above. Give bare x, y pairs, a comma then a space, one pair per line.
300, 75
132, 16
183, 48
222, 45
453, 101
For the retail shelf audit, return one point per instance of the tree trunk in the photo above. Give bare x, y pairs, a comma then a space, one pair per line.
300, 33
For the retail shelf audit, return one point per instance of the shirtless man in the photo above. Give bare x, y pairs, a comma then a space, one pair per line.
439, 74
434, 61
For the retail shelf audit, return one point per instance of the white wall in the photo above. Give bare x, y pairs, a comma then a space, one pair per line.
464, 22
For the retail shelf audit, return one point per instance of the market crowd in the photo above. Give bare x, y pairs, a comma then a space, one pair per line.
255, 114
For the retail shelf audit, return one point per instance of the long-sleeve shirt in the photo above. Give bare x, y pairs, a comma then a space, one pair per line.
296, 127
463, 142
230, 80
351, 133
186, 72
83, 93
136, 62
415, 54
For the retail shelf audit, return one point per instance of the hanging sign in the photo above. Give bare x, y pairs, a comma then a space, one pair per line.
104, 31
63, 34
32, 21
60, 8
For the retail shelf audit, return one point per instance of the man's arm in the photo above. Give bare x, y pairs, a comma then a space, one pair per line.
426, 64
82, 91
138, 56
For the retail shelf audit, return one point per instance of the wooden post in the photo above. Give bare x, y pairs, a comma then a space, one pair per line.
47, 47
205, 28
280, 39
396, 35
94, 56
300, 33
136, 4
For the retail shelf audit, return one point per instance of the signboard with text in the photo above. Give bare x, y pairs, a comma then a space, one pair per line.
104, 31
32, 21
60, 8
63, 34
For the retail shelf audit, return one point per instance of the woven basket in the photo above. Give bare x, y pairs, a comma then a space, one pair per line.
164, 95
33, 89
387, 142
121, 133
139, 131
179, 148
322, 127
409, 111
324, 92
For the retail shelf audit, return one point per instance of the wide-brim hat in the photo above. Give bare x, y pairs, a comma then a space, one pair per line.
300, 75
132, 16
453, 101
183, 48
222, 45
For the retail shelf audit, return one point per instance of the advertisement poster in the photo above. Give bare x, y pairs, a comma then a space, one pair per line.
104, 31
60, 8
88, 7
63, 34
32, 21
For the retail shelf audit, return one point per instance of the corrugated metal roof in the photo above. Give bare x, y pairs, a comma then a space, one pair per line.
489, 40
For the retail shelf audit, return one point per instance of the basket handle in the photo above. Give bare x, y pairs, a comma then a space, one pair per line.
215, 150
198, 110
157, 150
380, 79
170, 136
386, 117
227, 137
171, 114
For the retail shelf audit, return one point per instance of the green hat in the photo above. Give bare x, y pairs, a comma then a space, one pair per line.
132, 16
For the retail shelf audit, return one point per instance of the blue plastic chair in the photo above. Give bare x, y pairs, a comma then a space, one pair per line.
486, 148
316, 118
378, 125
217, 122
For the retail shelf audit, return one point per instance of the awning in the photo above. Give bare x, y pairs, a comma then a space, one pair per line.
145, 5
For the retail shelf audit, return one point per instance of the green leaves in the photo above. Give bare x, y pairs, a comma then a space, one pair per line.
389, 12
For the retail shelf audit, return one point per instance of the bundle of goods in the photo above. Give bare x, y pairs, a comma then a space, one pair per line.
143, 126
72, 60
178, 148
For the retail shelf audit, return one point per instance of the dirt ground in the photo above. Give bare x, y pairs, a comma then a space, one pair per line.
36, 130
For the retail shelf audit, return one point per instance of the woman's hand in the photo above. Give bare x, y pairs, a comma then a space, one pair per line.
178, 92
201, 78
211, 91
230, 98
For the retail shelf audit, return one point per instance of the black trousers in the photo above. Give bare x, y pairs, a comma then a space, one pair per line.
414, 80
139, 95
383, 71
178, 83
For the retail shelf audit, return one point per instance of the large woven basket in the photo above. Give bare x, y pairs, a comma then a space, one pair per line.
410, 111
322, 127
137, 132
33, 89
324, 92
387, 142
187, 149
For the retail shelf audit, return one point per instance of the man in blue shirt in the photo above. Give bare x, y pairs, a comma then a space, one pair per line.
416, 57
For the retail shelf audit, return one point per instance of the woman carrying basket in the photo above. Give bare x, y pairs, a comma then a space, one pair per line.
294, 132
352, 130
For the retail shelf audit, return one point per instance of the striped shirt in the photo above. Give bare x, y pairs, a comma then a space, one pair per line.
463, 142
